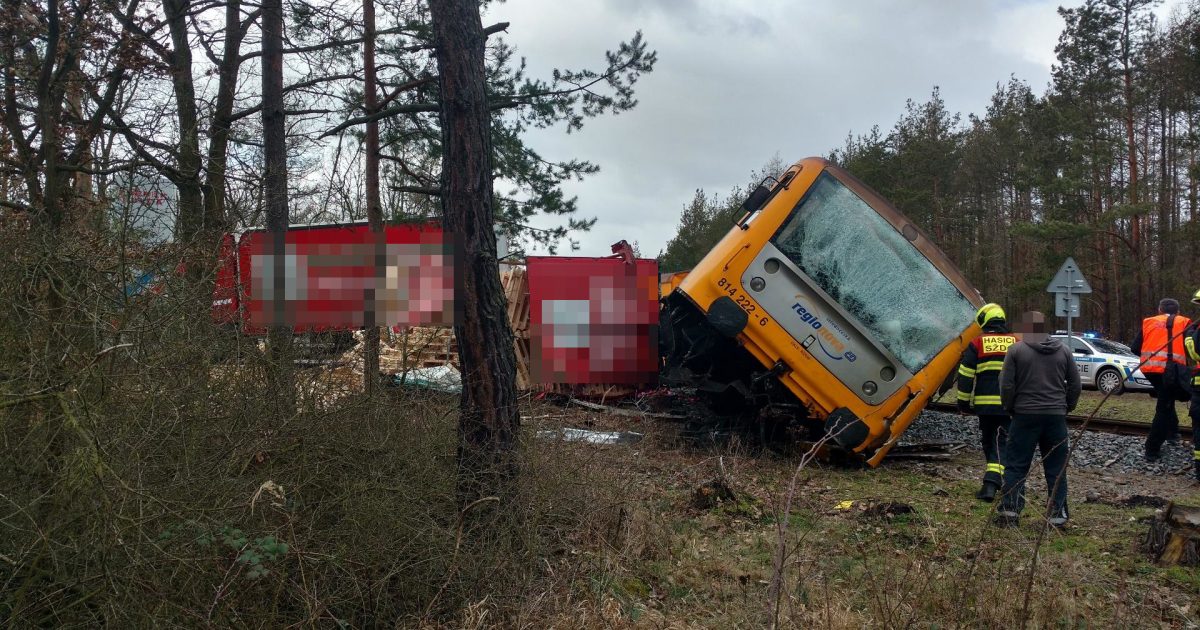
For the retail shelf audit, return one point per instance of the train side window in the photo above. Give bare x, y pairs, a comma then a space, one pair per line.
758, 199
753, 204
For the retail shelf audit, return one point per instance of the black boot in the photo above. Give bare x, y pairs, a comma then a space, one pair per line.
987, 493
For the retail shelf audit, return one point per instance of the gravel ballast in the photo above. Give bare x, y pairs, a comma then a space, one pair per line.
1095, 449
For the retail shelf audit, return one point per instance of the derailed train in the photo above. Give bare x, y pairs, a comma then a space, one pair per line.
822, 309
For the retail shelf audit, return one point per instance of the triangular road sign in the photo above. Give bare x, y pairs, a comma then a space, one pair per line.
1069, 279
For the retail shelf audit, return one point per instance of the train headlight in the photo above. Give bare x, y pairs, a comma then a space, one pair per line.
887, 373
757, 283
869, 388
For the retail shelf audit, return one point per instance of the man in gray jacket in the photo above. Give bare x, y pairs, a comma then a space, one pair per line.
1039, 385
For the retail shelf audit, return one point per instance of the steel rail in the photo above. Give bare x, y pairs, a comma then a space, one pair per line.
1105, 425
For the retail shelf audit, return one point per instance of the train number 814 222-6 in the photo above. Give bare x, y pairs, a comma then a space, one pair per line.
743, 301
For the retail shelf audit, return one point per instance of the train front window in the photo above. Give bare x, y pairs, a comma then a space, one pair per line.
873, 272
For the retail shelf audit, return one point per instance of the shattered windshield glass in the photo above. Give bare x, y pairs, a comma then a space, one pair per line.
878, 276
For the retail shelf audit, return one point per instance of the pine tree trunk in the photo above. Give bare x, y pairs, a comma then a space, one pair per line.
1136, 221
275, 197
489, 418
1164, 208
374, 209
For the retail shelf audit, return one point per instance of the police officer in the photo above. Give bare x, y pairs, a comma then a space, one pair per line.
979, 391
1191, 343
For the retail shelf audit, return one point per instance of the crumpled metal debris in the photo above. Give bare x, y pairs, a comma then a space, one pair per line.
441, 378
592, 437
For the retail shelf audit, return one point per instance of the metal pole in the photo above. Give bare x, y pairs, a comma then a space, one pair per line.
1069, 304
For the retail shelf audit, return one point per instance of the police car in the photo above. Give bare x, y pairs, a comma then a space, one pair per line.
1106, 365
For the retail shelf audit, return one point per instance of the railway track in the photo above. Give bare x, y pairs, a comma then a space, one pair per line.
1107, 425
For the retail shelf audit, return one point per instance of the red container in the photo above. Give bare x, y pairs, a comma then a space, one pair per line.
330, 270
225, 291
593, 320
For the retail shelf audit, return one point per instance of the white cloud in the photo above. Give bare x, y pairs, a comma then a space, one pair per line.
737, 82
1028, 32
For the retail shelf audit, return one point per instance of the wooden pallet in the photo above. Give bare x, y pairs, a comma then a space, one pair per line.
431, 346
592, 391
419, 346
516, 294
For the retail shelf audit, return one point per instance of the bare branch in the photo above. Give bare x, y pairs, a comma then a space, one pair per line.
405, 87
420, 190
496, 28
16, 206
383, 113
320, 47
297, 86
119, 168
491, 30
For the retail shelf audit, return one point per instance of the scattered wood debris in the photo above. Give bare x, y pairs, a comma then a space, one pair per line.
1174, 536
712, 494
1132, 501
618, 411
886, 509
421, 347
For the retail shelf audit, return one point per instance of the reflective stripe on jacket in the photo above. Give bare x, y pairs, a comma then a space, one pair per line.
1191, 344
979, 372
1154, 341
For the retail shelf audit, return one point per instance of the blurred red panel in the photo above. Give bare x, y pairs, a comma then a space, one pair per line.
593, 320
329, 270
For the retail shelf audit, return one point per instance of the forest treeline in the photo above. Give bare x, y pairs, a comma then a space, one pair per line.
1101, 167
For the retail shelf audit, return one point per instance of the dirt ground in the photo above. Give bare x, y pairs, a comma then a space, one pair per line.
904, 543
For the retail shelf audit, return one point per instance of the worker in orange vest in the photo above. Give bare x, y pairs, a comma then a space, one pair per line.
1159, 343
1191, 343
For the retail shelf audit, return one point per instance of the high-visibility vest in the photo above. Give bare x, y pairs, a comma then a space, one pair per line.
1154, 342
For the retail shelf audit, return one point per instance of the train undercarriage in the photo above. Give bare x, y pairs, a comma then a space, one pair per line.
733, 394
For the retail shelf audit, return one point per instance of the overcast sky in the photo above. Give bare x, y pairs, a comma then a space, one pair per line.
738, 82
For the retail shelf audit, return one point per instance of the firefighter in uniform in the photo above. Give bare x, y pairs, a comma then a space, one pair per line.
979, 391
1191, 343
1151, 344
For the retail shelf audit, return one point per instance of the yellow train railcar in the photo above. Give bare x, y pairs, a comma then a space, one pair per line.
667, 282
823, 307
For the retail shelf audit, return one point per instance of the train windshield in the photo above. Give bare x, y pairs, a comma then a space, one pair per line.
878, 276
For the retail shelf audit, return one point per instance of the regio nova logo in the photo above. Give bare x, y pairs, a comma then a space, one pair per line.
833, 347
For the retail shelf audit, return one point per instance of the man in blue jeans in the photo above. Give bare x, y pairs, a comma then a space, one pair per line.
1039, 386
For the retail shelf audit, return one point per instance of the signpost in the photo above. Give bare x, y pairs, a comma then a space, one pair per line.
1068, 284
146, 205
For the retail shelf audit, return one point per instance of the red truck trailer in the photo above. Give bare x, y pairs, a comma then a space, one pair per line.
334, 275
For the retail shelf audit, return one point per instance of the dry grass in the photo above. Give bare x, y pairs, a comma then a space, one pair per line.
151, 478
943, 565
